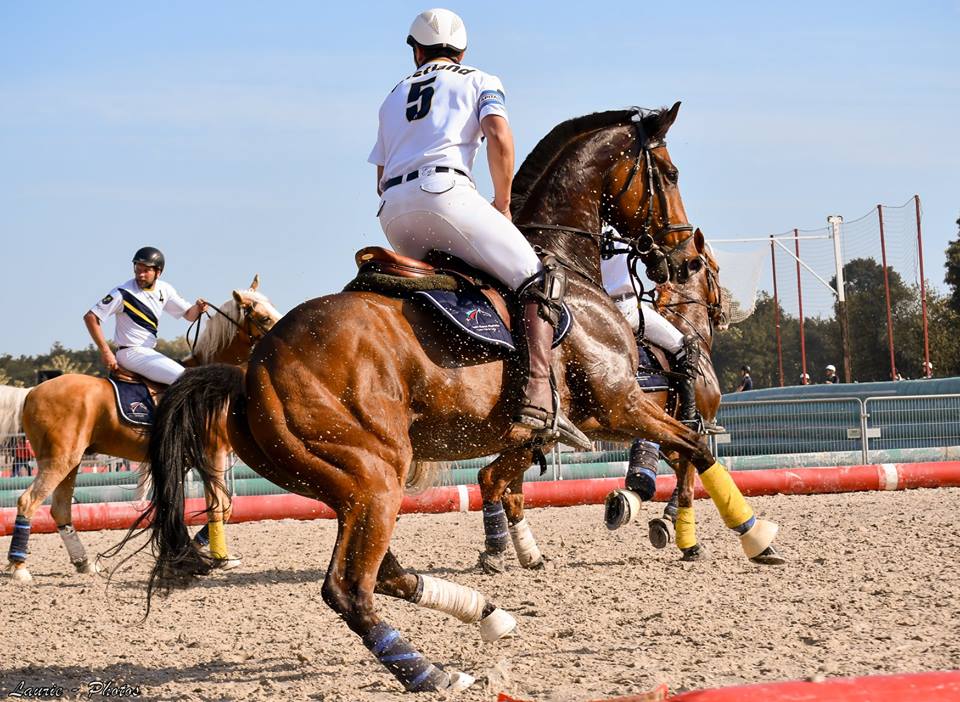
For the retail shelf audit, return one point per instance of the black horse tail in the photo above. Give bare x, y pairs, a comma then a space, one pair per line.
188, 411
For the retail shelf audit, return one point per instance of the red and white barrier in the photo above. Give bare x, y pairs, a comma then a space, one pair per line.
560, 493
914, 687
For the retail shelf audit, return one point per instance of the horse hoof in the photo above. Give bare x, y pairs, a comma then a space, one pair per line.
85, 567
660, 532
492, 563
620, 508
496, 625
20, 574
228, 563
459, 681
769, 556
538, 564
693, 553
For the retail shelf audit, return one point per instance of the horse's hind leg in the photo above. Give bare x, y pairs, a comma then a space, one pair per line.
463, 603
61, 511
524, 543
367, 516
494, 480
50, 473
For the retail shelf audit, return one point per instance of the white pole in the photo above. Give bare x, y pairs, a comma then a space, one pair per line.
835, 221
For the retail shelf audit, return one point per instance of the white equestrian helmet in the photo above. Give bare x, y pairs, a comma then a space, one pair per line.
438, 27
832, 367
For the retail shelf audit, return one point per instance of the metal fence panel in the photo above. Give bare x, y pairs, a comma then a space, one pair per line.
771, 427
912, 421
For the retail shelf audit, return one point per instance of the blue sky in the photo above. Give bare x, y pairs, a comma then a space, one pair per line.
234, 135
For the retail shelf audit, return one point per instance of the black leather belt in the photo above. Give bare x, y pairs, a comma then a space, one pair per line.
121, 348
413, 175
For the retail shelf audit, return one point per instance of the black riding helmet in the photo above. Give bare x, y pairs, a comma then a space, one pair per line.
745, 368
150, 256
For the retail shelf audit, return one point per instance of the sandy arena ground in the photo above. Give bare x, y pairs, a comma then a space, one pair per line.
872, 587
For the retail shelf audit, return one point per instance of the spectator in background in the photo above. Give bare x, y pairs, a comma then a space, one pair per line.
22, 456
804, 378
746, 382
927, 369
831, 375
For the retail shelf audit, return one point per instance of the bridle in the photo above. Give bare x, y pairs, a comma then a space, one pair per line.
245, 325
714, 291
661, 263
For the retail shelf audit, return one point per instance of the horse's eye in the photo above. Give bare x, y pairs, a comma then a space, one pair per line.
673, 175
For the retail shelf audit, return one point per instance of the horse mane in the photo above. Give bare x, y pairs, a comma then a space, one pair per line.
545, 153
219, 331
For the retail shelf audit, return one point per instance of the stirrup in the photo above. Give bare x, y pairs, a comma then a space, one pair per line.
548, 427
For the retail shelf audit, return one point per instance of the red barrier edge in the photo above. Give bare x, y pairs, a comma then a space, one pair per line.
929, 687
560, 493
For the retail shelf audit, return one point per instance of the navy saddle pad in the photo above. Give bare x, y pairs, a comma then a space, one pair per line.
471, 312
650, 381
134, 402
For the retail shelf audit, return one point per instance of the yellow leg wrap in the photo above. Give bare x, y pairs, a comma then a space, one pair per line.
686, 527
725, 495
218, 540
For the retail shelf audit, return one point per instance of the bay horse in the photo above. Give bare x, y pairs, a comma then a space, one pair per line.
73, 414
348, 390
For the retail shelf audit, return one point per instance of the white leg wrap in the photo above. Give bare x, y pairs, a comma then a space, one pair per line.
760, 535
75, 549
523, 542
464, 603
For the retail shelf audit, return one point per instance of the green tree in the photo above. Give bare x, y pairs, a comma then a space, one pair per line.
952, 276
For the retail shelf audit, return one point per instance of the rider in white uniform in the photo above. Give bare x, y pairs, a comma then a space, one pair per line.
138, 304
682, 351
431, 126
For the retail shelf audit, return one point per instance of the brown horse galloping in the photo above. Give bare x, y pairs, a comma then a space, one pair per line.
73, 414
348, 390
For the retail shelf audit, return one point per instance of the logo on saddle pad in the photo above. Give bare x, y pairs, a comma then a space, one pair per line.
139, 408
480, 319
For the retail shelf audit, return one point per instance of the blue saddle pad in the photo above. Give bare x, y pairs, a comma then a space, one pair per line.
471, 312
134, 402
650, 381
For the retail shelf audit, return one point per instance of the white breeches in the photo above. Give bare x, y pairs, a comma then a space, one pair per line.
656, 329
444, 211
150, 363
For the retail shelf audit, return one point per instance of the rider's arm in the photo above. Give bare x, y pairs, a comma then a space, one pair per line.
500, 159
379, 178
196, 310
96, 333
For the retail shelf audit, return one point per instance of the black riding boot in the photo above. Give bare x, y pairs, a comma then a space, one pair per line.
685, 363
538, 411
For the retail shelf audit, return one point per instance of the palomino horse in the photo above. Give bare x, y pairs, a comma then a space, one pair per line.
73, 414
348, 390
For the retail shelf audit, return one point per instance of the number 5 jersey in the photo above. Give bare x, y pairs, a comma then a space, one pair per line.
432, 118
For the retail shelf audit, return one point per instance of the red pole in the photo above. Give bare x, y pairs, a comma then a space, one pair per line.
803, 341
927, 369
886, 289
776, 307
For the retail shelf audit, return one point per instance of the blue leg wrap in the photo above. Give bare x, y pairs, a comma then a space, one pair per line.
202, 537
746, 526
18, 544
642, 469
495, 527
408, 665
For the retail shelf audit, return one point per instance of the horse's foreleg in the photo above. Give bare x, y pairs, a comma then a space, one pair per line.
638, 417
463, 603
685, 522
218, 511
494, 480
524, 543
61, 511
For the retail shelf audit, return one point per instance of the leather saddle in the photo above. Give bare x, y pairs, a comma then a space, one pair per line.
378, 260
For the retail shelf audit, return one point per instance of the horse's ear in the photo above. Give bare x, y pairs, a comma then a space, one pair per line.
238, 297
698, 240
256, 280
666, 120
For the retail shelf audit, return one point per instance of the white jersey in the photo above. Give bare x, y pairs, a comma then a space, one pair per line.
432, 118
138, 311
616, 275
